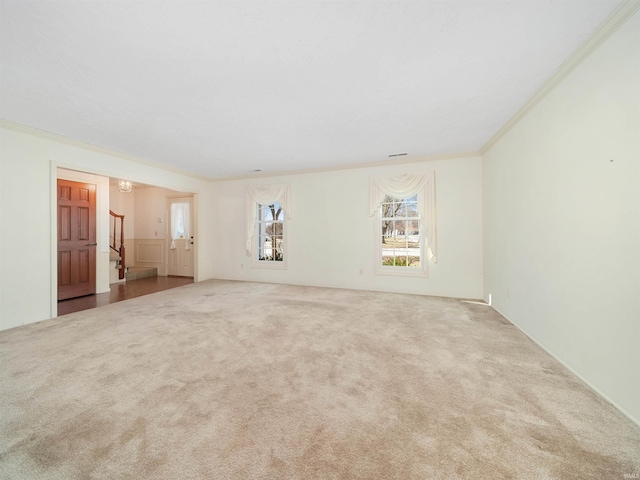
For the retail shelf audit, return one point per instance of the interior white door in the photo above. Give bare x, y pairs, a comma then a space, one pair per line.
181, 237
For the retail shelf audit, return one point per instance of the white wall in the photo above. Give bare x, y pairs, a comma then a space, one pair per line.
562, 221
331, 236
27, 214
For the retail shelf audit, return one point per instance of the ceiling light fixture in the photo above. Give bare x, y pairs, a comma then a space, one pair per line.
124, 186
397, 154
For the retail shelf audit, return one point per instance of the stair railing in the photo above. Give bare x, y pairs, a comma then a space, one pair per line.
114, 246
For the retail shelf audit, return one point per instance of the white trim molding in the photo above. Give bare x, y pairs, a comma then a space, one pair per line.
608, 28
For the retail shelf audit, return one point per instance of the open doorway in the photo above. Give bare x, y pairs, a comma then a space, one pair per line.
146, 239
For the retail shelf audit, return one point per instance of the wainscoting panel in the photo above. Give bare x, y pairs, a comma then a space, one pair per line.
150, 253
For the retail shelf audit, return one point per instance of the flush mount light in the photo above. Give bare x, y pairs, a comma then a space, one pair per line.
124, 186
397, 154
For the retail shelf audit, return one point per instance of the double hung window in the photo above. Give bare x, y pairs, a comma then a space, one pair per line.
268, 209
270, 233
405, 229
400, 236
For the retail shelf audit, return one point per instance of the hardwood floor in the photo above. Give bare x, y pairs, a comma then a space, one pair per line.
122, 291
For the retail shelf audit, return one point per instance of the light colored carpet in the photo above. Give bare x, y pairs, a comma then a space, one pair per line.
248, 380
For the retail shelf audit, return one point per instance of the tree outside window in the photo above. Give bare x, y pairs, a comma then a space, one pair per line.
400, 235
270, 233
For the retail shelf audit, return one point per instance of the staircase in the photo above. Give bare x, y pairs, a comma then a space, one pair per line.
117, 255
135, 273
118, 250
115, 264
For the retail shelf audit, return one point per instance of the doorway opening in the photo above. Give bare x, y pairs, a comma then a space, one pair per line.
146, 236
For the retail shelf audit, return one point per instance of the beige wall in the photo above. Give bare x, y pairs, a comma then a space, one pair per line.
146, 224
562, 221
151, 246
122, 203
151, 212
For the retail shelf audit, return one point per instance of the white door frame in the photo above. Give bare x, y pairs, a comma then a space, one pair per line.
193, 229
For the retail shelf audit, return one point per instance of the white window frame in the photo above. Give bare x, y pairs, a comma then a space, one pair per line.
267, 195
403, 186
271, 264
405, 271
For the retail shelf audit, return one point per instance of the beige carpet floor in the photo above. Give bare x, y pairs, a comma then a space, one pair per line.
233, 380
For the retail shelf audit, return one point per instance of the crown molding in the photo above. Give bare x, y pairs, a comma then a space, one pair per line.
9, 125
608, 28
627, 9
355, 166
18, 127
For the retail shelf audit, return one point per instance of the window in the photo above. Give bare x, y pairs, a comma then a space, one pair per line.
400, 232
266, 242
179, 216
405, 229
270, 233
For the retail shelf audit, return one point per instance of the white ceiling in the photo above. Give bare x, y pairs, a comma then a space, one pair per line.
222, 88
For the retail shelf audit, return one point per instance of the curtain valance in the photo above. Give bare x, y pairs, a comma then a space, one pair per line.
404, 186
264, 195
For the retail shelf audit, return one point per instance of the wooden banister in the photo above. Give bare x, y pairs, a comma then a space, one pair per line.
120, 249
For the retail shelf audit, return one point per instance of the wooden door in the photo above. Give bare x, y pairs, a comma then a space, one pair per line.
181, 247
76, 239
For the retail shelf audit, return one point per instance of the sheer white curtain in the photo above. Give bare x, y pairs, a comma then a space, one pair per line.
407, 185
180, 224
264, 195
